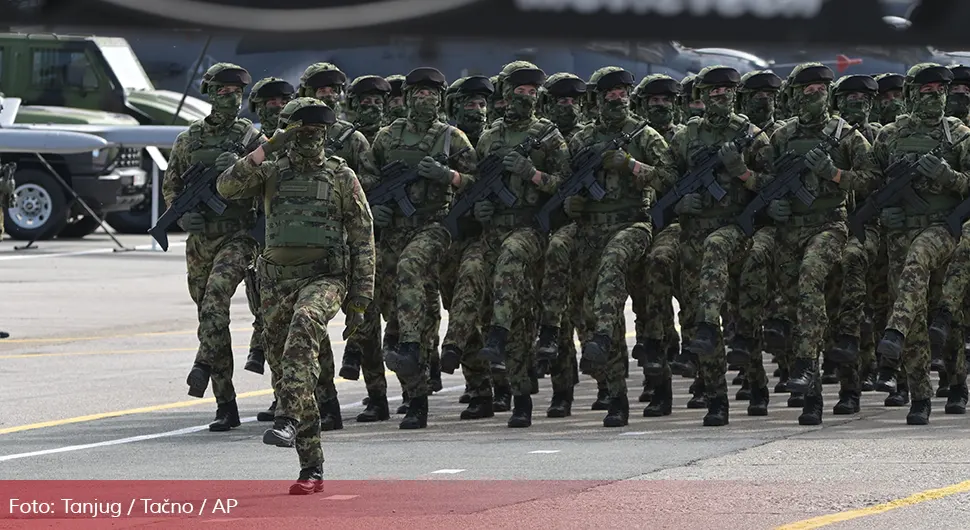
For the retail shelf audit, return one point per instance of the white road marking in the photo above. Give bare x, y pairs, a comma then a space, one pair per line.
340, 497
167, 434
82, 252
447, 471
544, 452
634, 433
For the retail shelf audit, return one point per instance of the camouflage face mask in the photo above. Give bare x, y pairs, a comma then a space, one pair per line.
718, 108
958, 105
224, 106
760, 110
308, 142
520, 107
855, 111
812, 106
564, 116
660, 115
332, 100
369, 115
424, 108
889, 109
400, 111
471, 121
928, 106
614, 110
269, 117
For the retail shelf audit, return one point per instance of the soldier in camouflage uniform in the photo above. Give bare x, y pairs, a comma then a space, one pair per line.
396, 107
611, 236
851, 352
467, 105
411, 246
657, 282
327, 83
690, 106
712, 244
757, 97
511, 246
560, 100
958, 100
919, 244
496, 105
219, 248
889, 102
319, 258
811, 239
266, 99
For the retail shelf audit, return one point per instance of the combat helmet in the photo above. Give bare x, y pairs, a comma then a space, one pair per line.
424, 77
320, 75
268, 88
853, 83
925, 73
961, 74
714, 76
304, 111
366, 84
757, 81
225, 74
397, 85
560, 85
474, 85
655, 85
518, 73
890, 81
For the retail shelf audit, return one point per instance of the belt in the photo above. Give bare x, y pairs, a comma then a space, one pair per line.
275, 272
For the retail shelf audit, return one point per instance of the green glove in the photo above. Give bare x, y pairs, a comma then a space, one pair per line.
935, 168
193, 223
278, 141
518, 165
690, 204
354, 311
619, 161
732, 160
893, 218
430, 169
820, 163
382, 215
225, 160
484, 210
780, 210
574, 206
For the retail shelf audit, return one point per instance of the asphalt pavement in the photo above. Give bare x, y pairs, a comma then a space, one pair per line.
92, 380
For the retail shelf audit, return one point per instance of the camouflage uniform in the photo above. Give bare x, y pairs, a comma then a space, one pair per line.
612, 236
319, 257
496, 105
712, 245
411, 246
396, 108
920, 245
219, 248
889, 101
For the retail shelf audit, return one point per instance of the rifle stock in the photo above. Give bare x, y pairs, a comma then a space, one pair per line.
199, 189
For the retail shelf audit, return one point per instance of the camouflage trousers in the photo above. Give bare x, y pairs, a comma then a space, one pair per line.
216, 266
466, 296
296, 313
557, 305
957, 274
654, 287
709, 256
365, 343
409, 263
754, 288
915, 255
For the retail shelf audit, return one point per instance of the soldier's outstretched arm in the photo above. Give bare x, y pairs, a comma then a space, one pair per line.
178, 164
360, 235
556, 167
657, 170
857, 164
466, 163
758, 158
243, 179
358, 146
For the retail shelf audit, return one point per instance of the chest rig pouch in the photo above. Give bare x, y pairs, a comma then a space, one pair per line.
704, 138
206, 147
623, 202
430, 199
828, 194
304, 212
528, 196
910, 145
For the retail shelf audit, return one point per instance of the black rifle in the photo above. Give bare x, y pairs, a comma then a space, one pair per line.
699, 177
488, 184
199, 188
396, 176
584, 164
334, 145
789, 170
900, 176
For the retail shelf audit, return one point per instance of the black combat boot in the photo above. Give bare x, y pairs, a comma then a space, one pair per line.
741, 350
198, 379
602, 400
596, 353
256, 361
868, 377
434, 377
662, 402
619, 412
698, 400
848, 403
782, 386
466, 396
705, 340
478, 407
450, 358
684, 365
796, 400
377, 408
828, 373
494, 350
330, 417
776, 333
694, 385
886, 380
845, 351
405, 359
898, 398
547, 347
268, 414
812, 410
891, 345
758, 404
227, 417
956, 399
4, 335
502, 402
652, 358
521, 412
936, 361
940, 327
403, 408
803, 375
744, 393
533, 381
740, 378
717, 411
417, 416
919, 412
350, 368
944, 389
561, 405
310, 481
647, 394
283, 433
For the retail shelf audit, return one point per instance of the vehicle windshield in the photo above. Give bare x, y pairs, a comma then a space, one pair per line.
126, 66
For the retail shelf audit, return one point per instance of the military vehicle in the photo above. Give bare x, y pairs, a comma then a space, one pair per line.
97, 74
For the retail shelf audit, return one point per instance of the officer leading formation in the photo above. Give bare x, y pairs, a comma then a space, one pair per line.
815, 219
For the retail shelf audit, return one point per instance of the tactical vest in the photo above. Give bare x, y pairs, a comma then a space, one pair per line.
527, 194
205, 148
304, 212
829, 196
623, 201
737, 195
911, 143
430, 199
342, 132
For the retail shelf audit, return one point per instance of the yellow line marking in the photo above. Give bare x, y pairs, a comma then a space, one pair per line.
916, 498
106, 337
115, 352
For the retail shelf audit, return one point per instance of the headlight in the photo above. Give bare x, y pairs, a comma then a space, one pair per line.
100, 158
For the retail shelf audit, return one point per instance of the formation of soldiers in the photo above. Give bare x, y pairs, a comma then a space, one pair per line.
533, 260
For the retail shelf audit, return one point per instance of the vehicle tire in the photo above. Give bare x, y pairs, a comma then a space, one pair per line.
83, 226
130, 222
38, 209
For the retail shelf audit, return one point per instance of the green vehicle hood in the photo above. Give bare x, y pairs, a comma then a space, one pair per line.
37, 114
161, 106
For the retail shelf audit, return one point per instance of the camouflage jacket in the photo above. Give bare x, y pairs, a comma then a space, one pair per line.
354, 146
